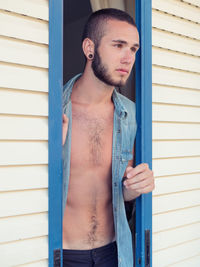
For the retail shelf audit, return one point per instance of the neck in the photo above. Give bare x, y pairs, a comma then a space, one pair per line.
90, 90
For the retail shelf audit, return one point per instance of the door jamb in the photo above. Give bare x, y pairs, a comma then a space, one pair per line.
143, 10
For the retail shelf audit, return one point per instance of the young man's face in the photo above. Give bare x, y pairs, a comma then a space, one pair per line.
115, 56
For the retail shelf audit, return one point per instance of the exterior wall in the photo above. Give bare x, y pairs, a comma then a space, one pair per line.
176, 132
24, 133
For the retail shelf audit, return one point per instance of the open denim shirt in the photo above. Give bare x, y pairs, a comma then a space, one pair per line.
124, 131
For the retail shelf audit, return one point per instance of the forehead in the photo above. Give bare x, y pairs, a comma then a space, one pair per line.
115, 29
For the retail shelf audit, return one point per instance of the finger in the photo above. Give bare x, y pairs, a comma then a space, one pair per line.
65, 119
138, 169
138, 178
145, 190
142, 189
128, 169
141, 184
65, 128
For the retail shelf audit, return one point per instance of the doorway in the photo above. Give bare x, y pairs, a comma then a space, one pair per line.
76, 14
75, 17
138, 89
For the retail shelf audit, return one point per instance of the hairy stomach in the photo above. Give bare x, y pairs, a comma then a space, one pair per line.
88, 221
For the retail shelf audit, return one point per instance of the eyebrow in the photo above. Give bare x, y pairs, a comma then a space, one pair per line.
124, 42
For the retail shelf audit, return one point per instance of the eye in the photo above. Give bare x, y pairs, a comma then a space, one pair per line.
118, 45
133, 49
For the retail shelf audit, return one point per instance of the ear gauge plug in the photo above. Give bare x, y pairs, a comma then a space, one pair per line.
90, 56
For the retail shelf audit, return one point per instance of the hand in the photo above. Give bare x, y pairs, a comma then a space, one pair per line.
64, 129
140, 180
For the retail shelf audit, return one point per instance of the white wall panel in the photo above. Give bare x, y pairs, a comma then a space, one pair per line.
170, 166
176, 236
180, 131
176, 132
167, 76
23, 177
168, 202
175, 42
23, 202
171, 255
26, 53
175, 148
23, 153
24, 28
27, 78
25, 251
174, 95
42, 263
175, 60
35, 8
174, 24
24, 34
23, 128
176, 183
192, 262
23, 227
177, 218
193, 2
23, 102
176, 113
177, 8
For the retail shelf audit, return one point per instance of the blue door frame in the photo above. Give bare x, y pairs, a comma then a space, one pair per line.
143, 137
55, 131
143, 11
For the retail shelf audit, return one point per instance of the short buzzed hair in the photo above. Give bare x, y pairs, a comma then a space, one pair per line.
94, 27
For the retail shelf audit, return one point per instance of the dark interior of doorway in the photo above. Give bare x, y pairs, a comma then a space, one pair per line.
76, 14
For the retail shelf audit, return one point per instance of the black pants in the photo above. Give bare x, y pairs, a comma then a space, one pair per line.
105, 256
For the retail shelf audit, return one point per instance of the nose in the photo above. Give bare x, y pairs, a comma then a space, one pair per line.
128, 57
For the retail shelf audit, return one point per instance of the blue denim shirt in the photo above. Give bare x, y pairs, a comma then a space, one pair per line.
124, 131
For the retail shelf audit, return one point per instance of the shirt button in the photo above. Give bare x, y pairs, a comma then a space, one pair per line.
115, 184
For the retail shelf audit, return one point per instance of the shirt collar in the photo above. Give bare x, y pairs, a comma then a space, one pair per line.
67, 89
119, 106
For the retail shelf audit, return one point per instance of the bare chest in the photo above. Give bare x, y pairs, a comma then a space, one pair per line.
91, 139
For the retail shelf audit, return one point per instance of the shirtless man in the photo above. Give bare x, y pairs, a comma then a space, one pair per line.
101, 135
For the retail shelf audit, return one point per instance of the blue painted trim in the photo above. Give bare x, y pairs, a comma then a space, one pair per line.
144, 120
55, 126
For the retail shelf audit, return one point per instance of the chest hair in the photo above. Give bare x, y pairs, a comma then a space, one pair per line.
96, 128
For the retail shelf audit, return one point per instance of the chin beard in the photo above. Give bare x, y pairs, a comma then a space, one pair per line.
101, 72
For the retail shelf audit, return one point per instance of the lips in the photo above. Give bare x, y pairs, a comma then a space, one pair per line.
122, 71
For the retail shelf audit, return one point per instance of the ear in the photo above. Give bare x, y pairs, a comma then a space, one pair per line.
88, 47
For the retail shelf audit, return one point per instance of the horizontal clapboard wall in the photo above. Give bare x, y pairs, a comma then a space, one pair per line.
24, 133
176, 132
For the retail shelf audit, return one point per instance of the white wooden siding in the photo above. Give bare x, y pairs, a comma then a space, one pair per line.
23, 77
26, 127
27, 250
21, 52
42, 263
176, 132
24, 133
192, 262
25, 28
175, 42
37, 8
177, 218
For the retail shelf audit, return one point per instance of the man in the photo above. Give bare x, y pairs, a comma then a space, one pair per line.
97, 152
